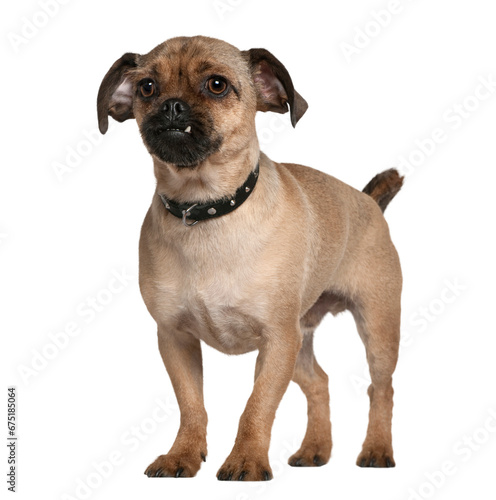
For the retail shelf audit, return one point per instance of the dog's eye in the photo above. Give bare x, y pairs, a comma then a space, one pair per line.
216, 85
147, 87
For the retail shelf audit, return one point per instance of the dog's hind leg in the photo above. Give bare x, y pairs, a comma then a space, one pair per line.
379, 328
316, 447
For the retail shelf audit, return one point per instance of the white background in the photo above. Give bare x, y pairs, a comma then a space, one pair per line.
63, 236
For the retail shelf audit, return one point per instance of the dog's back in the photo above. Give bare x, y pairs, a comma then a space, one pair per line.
349, 234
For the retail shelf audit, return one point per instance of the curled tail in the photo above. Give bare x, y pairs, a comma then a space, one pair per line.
384, 186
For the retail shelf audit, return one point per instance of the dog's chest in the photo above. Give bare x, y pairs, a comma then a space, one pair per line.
220, 310
212, 291
225, 328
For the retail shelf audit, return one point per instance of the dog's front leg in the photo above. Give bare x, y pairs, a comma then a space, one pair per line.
183, 360
249, 459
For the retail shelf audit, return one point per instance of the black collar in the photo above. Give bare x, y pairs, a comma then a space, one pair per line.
192, 213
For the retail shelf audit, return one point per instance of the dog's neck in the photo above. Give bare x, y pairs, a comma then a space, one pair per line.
217, 177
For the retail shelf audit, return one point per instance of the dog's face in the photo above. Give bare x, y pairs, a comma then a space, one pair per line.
195, 97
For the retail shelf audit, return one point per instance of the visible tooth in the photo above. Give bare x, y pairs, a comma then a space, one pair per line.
188, 129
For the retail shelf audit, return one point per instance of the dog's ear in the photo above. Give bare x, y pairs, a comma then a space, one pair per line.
115, 96
274, 85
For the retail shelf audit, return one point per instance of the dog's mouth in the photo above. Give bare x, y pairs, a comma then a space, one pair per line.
183, 143
187, 130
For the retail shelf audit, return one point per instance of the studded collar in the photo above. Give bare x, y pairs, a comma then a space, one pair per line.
192, 213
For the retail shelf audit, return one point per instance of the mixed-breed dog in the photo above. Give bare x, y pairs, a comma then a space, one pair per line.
248, 254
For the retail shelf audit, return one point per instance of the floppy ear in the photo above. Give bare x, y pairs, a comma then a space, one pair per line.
115, 96
274, 85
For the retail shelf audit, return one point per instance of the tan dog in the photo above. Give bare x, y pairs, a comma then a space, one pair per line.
248, 254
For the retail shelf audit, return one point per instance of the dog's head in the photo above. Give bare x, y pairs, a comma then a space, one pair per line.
194, 97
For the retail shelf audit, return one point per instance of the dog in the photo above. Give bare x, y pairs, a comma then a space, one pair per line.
246, 254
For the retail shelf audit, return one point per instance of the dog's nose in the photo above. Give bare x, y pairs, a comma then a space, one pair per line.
174, 108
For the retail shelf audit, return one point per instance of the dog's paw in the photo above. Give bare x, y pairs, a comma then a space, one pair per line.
378, 456
240, 467
175, 465
309, 457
